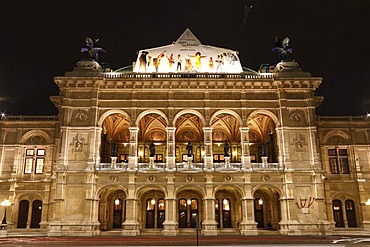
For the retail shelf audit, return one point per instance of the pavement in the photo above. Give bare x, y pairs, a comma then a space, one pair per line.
187, 241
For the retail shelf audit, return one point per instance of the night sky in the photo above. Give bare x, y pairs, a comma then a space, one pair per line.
41, 40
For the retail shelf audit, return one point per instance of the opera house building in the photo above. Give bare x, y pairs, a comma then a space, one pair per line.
185, 140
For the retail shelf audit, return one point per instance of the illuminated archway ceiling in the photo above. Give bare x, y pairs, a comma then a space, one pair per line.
189, 127
260, 126
225, 127
116, 128
152, 127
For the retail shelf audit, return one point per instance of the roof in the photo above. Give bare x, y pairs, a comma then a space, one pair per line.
187, 55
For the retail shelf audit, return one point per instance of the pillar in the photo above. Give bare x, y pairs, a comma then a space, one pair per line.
170, 225
132, 159
171, 149
209, 224
246, 158
208, 157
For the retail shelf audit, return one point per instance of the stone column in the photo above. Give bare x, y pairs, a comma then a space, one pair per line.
170, 225
171, 149
131, 224
248, 226
132, 159
246, 158
209, 224
208, 157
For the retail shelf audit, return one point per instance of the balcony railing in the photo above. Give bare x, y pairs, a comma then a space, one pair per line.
185, 166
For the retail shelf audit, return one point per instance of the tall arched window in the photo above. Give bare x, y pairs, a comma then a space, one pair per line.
161, 214
36, 214
150, 213
117, 213
338, 213
351, 213
226, 213
217, 212
258, 212
23, 214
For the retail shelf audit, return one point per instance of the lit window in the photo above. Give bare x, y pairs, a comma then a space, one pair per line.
34, 161
338, 161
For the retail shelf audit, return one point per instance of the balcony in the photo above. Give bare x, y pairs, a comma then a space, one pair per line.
188, 167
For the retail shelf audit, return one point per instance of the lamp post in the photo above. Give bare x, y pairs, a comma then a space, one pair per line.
5, 203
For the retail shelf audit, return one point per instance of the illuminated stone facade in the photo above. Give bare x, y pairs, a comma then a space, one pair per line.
89, 170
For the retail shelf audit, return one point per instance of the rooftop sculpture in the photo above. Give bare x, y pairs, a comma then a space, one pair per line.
91, 50
283, 49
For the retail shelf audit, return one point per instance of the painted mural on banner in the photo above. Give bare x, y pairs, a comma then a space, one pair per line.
187, 55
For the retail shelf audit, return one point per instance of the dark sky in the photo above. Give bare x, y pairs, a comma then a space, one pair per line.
40, 40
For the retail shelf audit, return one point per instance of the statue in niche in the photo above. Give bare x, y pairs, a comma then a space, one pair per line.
282, 48
152, 149
189, 148
263, 149
91, 50
226, 149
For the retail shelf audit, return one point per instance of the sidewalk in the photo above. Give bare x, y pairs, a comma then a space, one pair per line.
175, 241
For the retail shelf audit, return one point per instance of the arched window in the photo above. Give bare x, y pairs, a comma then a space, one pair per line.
161, 214
226, 213
150, 213
23, 214
36, 214
338, 213
351, 213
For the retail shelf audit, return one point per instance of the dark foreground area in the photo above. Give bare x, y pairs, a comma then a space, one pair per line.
187, 241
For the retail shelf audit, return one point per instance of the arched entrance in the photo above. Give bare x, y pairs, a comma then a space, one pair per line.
154, 210
112, 209
227, 208
267, 211
189, 208
25, 209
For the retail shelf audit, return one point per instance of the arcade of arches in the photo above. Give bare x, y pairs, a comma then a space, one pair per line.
189, 127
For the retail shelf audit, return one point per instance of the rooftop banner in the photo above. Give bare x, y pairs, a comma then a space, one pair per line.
187, 55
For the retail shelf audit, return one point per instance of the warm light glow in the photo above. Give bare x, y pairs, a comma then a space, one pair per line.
188, 201
5, 203
260, 201
140, 153
367, 203
152, 201
336, 208
116, 202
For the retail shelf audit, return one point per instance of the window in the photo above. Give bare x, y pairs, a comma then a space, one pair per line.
34, 161
338, 161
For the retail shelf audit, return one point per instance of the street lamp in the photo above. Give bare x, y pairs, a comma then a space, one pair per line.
5, 203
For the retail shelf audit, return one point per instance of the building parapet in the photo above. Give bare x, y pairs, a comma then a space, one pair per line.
29, 118
343, 118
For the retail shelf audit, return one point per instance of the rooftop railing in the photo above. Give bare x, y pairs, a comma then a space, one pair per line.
29, 118
113, 75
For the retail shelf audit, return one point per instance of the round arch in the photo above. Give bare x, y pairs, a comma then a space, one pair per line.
332, 133
111, 189
198, 114
264, 187
111, 112
264, 112
146, 112
226, 111
32, 133
197, 189
231, 189
142, 190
